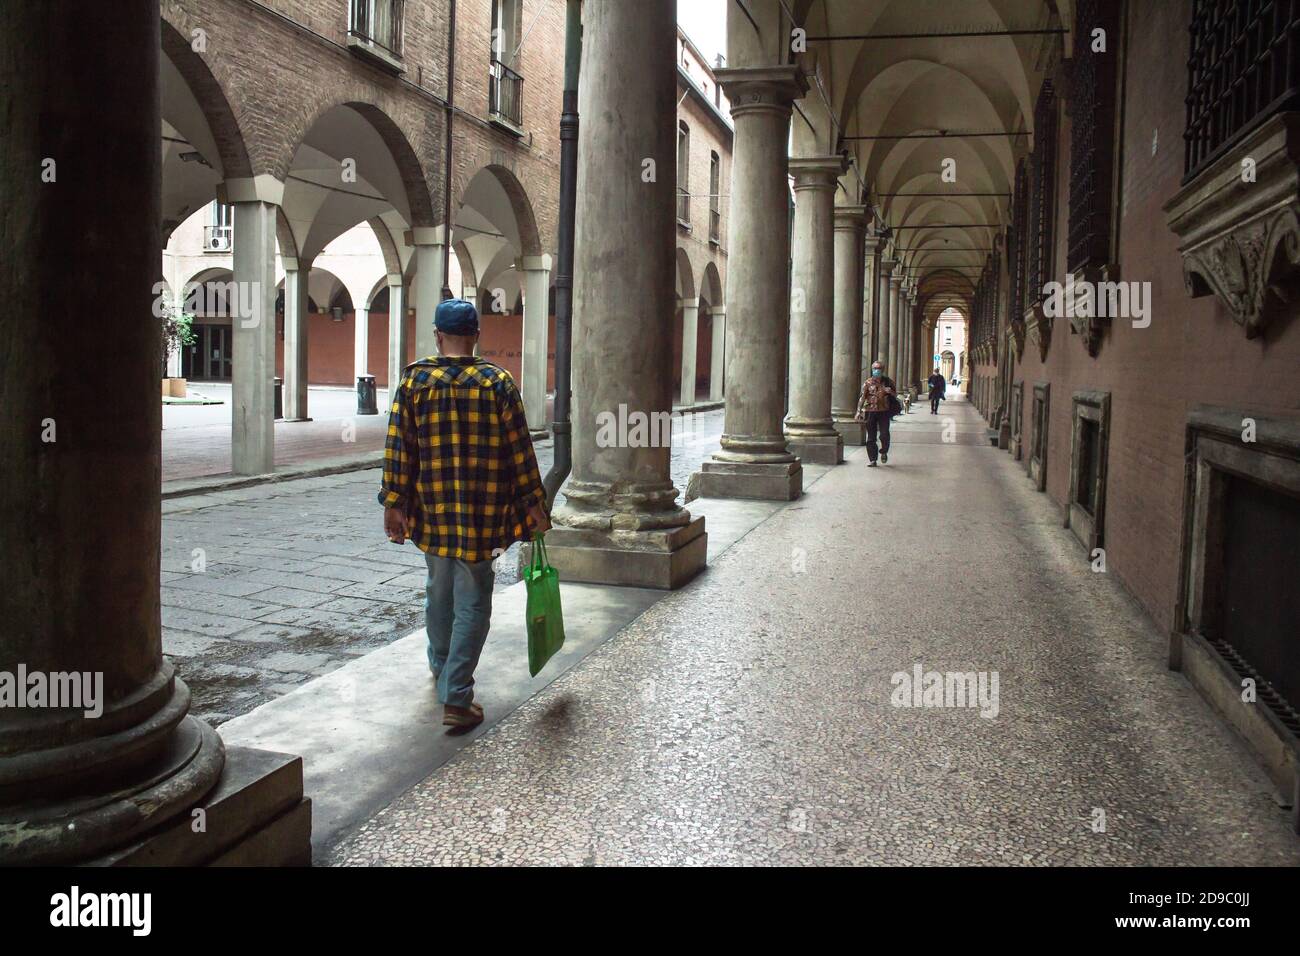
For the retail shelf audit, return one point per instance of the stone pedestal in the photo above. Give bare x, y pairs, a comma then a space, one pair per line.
772, 481
851, 432
663, 558
620, 523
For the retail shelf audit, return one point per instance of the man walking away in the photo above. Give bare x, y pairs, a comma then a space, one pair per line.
461, 481
938, 389
874, 408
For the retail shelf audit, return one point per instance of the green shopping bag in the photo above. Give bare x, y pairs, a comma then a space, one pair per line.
545, 619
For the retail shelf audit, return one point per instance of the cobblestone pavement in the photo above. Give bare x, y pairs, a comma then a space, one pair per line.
748, 717
297, 578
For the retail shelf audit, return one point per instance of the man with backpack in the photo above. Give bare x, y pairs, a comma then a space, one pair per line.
878, 404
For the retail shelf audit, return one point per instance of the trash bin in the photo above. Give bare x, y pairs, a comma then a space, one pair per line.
279, 399
366, 395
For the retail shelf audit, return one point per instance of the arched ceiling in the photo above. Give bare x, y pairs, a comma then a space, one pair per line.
891, 86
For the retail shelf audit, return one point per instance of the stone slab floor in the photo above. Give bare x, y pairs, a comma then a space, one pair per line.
747, 718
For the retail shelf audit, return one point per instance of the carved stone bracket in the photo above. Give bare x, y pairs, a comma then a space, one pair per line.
1087, 314
1239, 225
1038, 329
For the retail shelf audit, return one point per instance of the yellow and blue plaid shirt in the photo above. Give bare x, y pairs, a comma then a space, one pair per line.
459, 459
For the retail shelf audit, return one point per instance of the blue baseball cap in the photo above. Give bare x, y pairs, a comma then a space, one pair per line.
456, 317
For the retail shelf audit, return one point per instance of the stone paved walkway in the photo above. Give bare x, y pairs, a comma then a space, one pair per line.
748, 719
297, 578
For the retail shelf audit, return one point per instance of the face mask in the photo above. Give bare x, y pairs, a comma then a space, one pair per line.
876, 373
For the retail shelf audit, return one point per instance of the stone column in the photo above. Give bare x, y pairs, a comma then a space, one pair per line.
690, 346
850, 222
754, 461
79, 477
252, 401
895, 306
295, 340
885, 306
809, 428
535, 272
905, 330
717, 368
621, 523
427, 287
871, 306
396, 332
360, 341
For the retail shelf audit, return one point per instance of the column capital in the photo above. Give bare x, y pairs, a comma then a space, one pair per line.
850, 217
540, 263
896, 280
425, 236
689, 303
265, 188
817, 172
762, 88
396, 278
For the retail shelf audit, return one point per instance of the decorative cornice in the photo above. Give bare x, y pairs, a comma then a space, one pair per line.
1238, 223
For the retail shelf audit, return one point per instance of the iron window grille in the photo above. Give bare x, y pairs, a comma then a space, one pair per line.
1042, 204
1016, 246
1243, 66
1092, 140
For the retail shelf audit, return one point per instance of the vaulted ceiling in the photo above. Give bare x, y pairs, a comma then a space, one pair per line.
892, 84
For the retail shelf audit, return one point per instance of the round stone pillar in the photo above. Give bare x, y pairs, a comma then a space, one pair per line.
885, 287
892, 369
754, 461
621, 523
79, 486
846, 374
809, 428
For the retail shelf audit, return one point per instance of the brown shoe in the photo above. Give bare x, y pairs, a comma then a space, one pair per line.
453, 716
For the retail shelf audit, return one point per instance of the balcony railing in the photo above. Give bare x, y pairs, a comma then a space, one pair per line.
506, 94
378, 23
1244, 66
683, 206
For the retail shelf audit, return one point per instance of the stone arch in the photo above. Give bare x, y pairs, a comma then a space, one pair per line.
685, 275
711, 285
521, 207
201, 79
415, 181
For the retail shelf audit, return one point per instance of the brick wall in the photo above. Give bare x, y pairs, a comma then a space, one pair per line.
1192, 353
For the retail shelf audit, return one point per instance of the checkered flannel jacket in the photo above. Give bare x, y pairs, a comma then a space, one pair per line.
459, 458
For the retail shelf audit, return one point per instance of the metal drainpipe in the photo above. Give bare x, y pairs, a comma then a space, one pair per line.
560, 427
446, 158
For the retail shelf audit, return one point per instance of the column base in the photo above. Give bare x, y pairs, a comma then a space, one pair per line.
255, 816
817, 449
307, 419
851, 432
765, 481
539, 434
658, 558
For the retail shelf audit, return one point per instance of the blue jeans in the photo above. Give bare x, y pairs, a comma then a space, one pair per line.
457, 614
